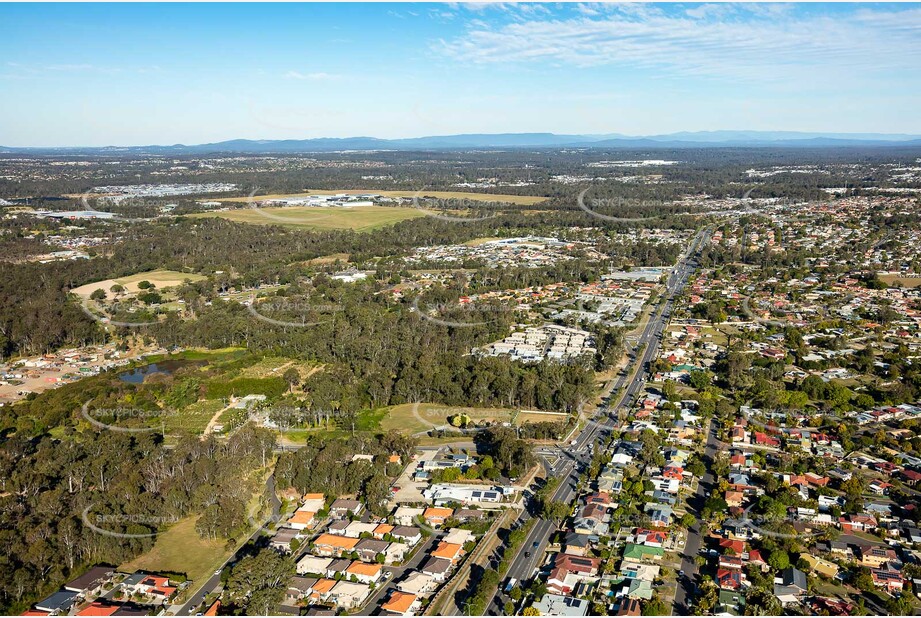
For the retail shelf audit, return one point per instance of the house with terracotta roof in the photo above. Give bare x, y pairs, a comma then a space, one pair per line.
672, 471
365, 572
879, 487
738, 435
857, 522
156, 587
601, 498
448, 551
734, 498
816, 479
301, 520
321, 589
650, 538
561, 581
733, 547
313, 502
762, 439
401, 604
577, 564
98, 608
754, 557
333, 544
729, 579
436, 516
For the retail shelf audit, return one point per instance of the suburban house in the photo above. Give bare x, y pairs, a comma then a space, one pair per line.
401, 604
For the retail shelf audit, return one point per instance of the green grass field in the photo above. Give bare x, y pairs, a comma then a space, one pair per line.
359, 218
181, 550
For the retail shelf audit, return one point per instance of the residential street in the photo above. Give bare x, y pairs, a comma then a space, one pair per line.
687, 580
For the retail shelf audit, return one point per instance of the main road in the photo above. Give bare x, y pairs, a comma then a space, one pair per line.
530, 554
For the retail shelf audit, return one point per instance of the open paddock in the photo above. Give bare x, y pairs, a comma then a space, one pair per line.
358, 218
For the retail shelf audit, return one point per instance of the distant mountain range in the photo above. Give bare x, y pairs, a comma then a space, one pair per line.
698, 139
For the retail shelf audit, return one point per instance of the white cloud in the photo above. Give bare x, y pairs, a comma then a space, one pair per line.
727, 41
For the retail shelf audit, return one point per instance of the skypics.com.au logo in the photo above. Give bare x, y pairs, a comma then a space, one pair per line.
126, 419
116, 524
457, 314
450, 209
287, 313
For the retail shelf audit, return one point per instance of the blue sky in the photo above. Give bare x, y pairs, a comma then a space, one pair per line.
109, 74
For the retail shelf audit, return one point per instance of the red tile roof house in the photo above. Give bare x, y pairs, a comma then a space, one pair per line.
651, 538
577, 564
773, 353
910, 476
885, 467
735, 546
860, 523
891, 580
738, 460
815, 479
602, 498
155, 586
729, 579
594, 511
879, 487
556, 582
734, 498
763, 439
671, 471
754, 557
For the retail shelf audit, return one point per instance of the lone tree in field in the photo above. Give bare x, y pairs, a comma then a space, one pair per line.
292, 377
117, 289
98, 294
145, 285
